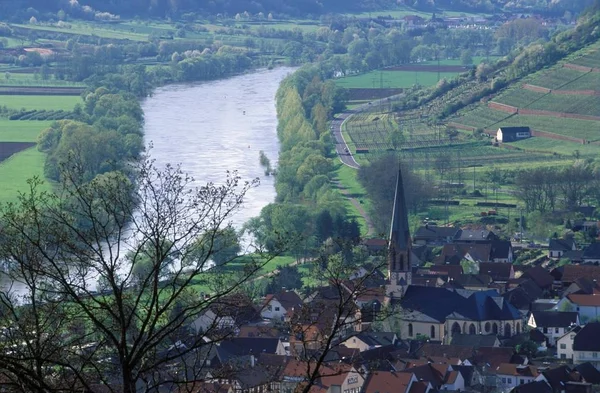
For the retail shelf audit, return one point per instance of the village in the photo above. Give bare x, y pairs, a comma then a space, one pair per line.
503, 328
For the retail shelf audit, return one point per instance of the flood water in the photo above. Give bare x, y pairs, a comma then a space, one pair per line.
214, 127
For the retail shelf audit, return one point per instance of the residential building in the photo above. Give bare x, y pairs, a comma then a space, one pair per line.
364, 341
558, 247
499, 272
564, 344
276, 306
511, 134
475, 236
434, 235
586, 345
511, 375
228, 312
587, 306
390, 381
554, 324
591, 254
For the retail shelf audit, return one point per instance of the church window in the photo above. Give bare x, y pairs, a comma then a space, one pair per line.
410, 329
472, 329
402, 262
432, 335
488, 327
495, 328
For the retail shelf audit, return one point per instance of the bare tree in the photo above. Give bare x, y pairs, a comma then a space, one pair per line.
104, 280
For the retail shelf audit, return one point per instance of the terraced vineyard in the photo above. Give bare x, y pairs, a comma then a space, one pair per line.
481, 117
578, 104
576, 128
519, 97
588, 81
591, 59
555, 78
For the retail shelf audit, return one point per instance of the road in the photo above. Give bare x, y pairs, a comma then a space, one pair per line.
341, 147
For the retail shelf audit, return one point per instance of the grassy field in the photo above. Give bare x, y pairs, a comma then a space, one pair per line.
346, 176
89, 29
393, 79
21, 131
556, 146
15, 171
39, 102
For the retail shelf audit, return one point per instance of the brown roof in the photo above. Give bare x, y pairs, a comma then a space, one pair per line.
479, 252
494, 356
454, 351
573, 272
517, 370
499, 271
451, 377
585, 300
453, 271
540, 276
288, 299
387, 382
418, 387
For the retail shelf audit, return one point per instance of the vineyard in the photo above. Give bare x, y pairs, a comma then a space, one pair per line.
585, 129
555, 78
588, 81
482, 117
518, 97
592, 59
578, 104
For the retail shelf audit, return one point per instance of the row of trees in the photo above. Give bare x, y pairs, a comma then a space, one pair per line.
548, 189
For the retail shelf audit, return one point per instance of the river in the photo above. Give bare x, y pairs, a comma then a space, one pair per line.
214, 127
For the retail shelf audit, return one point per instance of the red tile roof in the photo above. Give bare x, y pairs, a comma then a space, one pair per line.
388, 382
585, 300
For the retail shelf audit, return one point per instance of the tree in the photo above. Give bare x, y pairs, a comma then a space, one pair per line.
68, 337
466, 58
396, 138
226, 245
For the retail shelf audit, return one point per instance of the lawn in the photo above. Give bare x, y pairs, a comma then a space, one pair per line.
21, 131
40, 102
556, 146
393, 79
16, 170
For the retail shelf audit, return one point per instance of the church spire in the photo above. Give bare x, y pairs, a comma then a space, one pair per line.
399, 231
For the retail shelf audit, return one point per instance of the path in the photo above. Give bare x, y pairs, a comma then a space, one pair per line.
345, 155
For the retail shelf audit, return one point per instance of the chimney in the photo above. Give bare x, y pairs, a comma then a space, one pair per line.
483, 237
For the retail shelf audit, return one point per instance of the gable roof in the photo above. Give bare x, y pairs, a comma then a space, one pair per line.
585, 300
533, 387
474, 280
237, 306
501, 249
573, 272
513, 130
517, 370
561, 244
588, 372
452, 271
555, 318
498, 271
587, 338
524, 295
592, 251
373, 339
478, 251
475, 340
540, 276
288, 299
493, 356
558, 376
388, 382
433, 232
474, 235
240, 346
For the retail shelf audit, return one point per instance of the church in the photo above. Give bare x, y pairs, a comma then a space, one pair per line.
438, 313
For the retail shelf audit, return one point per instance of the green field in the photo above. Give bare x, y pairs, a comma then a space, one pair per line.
560, 147
584, 129
481, 117
578, 104
15, 171
40, 102
589, 81
21, 131
393, 79
591, 59
518, 97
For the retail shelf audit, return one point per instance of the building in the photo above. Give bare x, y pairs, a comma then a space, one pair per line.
399, 249
511, 375
586, 345
511, 134
229, 312
553, 324
434, 236
564, 344
587, 306
276, 306
558, 247
370, 340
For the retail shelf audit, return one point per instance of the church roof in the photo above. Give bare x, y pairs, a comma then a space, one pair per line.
442, 303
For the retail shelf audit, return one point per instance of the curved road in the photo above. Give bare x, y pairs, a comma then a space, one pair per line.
341, 147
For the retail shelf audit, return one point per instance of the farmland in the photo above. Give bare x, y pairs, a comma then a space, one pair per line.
393, 79
554, 78
591, 59
15, 171
21, 131
588, 81
577, 104
39, 102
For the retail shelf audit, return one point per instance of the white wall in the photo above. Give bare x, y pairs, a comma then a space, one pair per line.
273, 310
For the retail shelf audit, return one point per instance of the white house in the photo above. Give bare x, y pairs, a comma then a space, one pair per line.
511, 134
553, 324
564, 344
586, 345
276, 306
587, 306
512, 375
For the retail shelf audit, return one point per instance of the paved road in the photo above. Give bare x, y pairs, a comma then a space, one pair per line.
341, 147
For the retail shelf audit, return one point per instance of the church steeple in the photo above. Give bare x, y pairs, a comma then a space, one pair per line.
399, 249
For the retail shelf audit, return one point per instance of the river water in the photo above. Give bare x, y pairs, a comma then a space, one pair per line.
211, 128
214, 127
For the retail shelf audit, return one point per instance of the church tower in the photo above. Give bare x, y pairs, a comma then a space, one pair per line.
399, 248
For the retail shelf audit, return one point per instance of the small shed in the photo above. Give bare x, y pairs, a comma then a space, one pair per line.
511, 134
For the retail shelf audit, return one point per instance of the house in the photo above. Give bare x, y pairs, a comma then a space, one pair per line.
571, 273
501, 251
244, 346
591, 254
512, 375
511, 134
364, 341
228, 312
533, 387
438, 313
564, 344
582, 286
277, 305
557, 247
474, 236
587, 306
390, 381
453, 254
586, 345
524, 296
499, 272
540, 276
434, 235
451, 271
440, 376
339, 378
474, 282
554, 324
